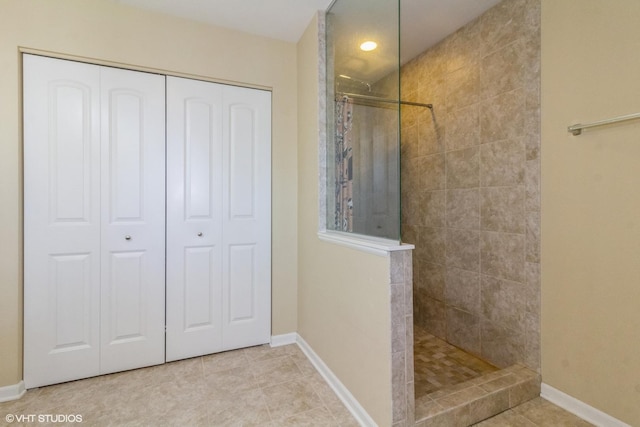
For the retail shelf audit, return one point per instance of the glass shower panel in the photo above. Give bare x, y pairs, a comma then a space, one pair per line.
363, 117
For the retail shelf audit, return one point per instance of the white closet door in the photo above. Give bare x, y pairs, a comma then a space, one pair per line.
61, 221
246, 217
219, 217
133, 219
194, 232
94, 206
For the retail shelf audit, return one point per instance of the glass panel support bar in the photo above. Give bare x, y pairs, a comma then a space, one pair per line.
384, 100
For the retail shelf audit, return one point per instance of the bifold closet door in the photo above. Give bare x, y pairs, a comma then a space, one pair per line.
218, 217
194, 218
132, 303
93, 220
61, 221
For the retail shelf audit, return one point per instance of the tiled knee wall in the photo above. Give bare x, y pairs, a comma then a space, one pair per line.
401, 288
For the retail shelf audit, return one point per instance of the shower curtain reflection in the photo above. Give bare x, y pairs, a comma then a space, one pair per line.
344, 165
366, 169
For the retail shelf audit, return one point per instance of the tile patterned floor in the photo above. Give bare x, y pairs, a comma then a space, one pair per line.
535, 413
271, 387
439, 364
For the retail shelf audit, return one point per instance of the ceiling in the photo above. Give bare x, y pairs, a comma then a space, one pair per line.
424, 22
278, 19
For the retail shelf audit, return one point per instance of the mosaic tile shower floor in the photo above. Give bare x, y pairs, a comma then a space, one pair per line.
439, 364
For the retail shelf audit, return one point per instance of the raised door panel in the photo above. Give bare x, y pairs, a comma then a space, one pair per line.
246, 219
243, 293
194, 243
126, 155
61, 220
70, 281
201, 150
200, 300
133, 225
127, 302
242, 161
70, 149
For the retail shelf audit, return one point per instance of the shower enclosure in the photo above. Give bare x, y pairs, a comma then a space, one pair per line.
438, 146
363, 119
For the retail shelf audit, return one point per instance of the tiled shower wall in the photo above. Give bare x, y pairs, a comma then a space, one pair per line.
471, 185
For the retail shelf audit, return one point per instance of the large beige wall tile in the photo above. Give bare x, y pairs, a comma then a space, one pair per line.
502, 24
532, 282
503, 255
433, 317
463, 87
503, 302
432, 243
463, 127
463, 209
503, 70
463, 290
463, 168
463, 329
502, 163
409, 148
502, 209
532, 340
431, 172
532, 183
502, 117
501, 346
431, 208
431, 133
430, 279
533, 237
463, 249
463, 46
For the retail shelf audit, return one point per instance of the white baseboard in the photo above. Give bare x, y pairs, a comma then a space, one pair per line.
12, 392
579, 408
358, 412
284, 339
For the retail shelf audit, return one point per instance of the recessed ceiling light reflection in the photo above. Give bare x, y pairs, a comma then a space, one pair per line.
368, 46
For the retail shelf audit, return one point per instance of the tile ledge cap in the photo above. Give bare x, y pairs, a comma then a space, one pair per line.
374, 245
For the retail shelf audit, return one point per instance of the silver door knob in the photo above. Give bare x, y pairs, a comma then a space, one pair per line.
127, 237
200, 234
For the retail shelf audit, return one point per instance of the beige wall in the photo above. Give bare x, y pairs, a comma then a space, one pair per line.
591, 204
343, 294
107, 31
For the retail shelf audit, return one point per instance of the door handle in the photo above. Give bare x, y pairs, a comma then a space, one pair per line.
200, 234
127, 237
